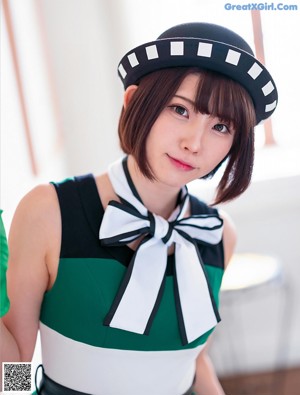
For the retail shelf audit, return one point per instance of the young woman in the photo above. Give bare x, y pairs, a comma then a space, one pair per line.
121, 272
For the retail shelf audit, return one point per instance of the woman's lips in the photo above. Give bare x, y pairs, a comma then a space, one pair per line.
181, 164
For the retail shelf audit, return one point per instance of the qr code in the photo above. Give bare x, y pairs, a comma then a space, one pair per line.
16, 377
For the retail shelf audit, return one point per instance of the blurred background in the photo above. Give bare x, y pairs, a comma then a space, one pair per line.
60, 103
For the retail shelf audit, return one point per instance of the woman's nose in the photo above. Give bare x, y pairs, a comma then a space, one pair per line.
193, 139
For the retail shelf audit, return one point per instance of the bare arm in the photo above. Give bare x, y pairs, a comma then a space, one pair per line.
229, 237
207, 382
33, 247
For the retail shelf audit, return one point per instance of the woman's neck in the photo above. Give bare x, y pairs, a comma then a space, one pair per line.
158, 198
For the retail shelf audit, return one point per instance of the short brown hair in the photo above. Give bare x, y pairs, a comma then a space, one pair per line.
217, 95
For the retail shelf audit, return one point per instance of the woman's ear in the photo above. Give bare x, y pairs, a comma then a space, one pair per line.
128, 94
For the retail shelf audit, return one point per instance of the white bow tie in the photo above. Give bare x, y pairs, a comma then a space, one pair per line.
140, 292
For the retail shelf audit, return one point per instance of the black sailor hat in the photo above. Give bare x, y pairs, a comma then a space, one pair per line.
207, 46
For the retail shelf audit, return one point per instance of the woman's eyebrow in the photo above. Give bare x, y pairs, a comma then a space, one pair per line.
186, 99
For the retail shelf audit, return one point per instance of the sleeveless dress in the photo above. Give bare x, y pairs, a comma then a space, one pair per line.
78, 351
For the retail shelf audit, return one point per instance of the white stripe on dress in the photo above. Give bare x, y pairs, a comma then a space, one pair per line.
102, 371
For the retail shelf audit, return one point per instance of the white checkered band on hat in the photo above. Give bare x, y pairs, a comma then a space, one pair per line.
215, 48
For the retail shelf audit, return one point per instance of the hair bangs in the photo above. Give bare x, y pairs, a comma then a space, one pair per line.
221, 97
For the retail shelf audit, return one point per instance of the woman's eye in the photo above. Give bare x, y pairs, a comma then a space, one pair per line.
180, 111
220, 127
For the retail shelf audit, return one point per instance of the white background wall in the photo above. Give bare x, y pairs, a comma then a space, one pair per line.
260, 328
81, 43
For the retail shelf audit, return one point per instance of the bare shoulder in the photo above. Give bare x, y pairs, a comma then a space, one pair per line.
38, 212
34, 244
35, 233
229, 236
41, 196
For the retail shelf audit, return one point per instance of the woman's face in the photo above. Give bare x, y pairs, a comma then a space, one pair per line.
184, 145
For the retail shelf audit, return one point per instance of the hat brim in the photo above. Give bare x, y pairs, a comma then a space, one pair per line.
204, 54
